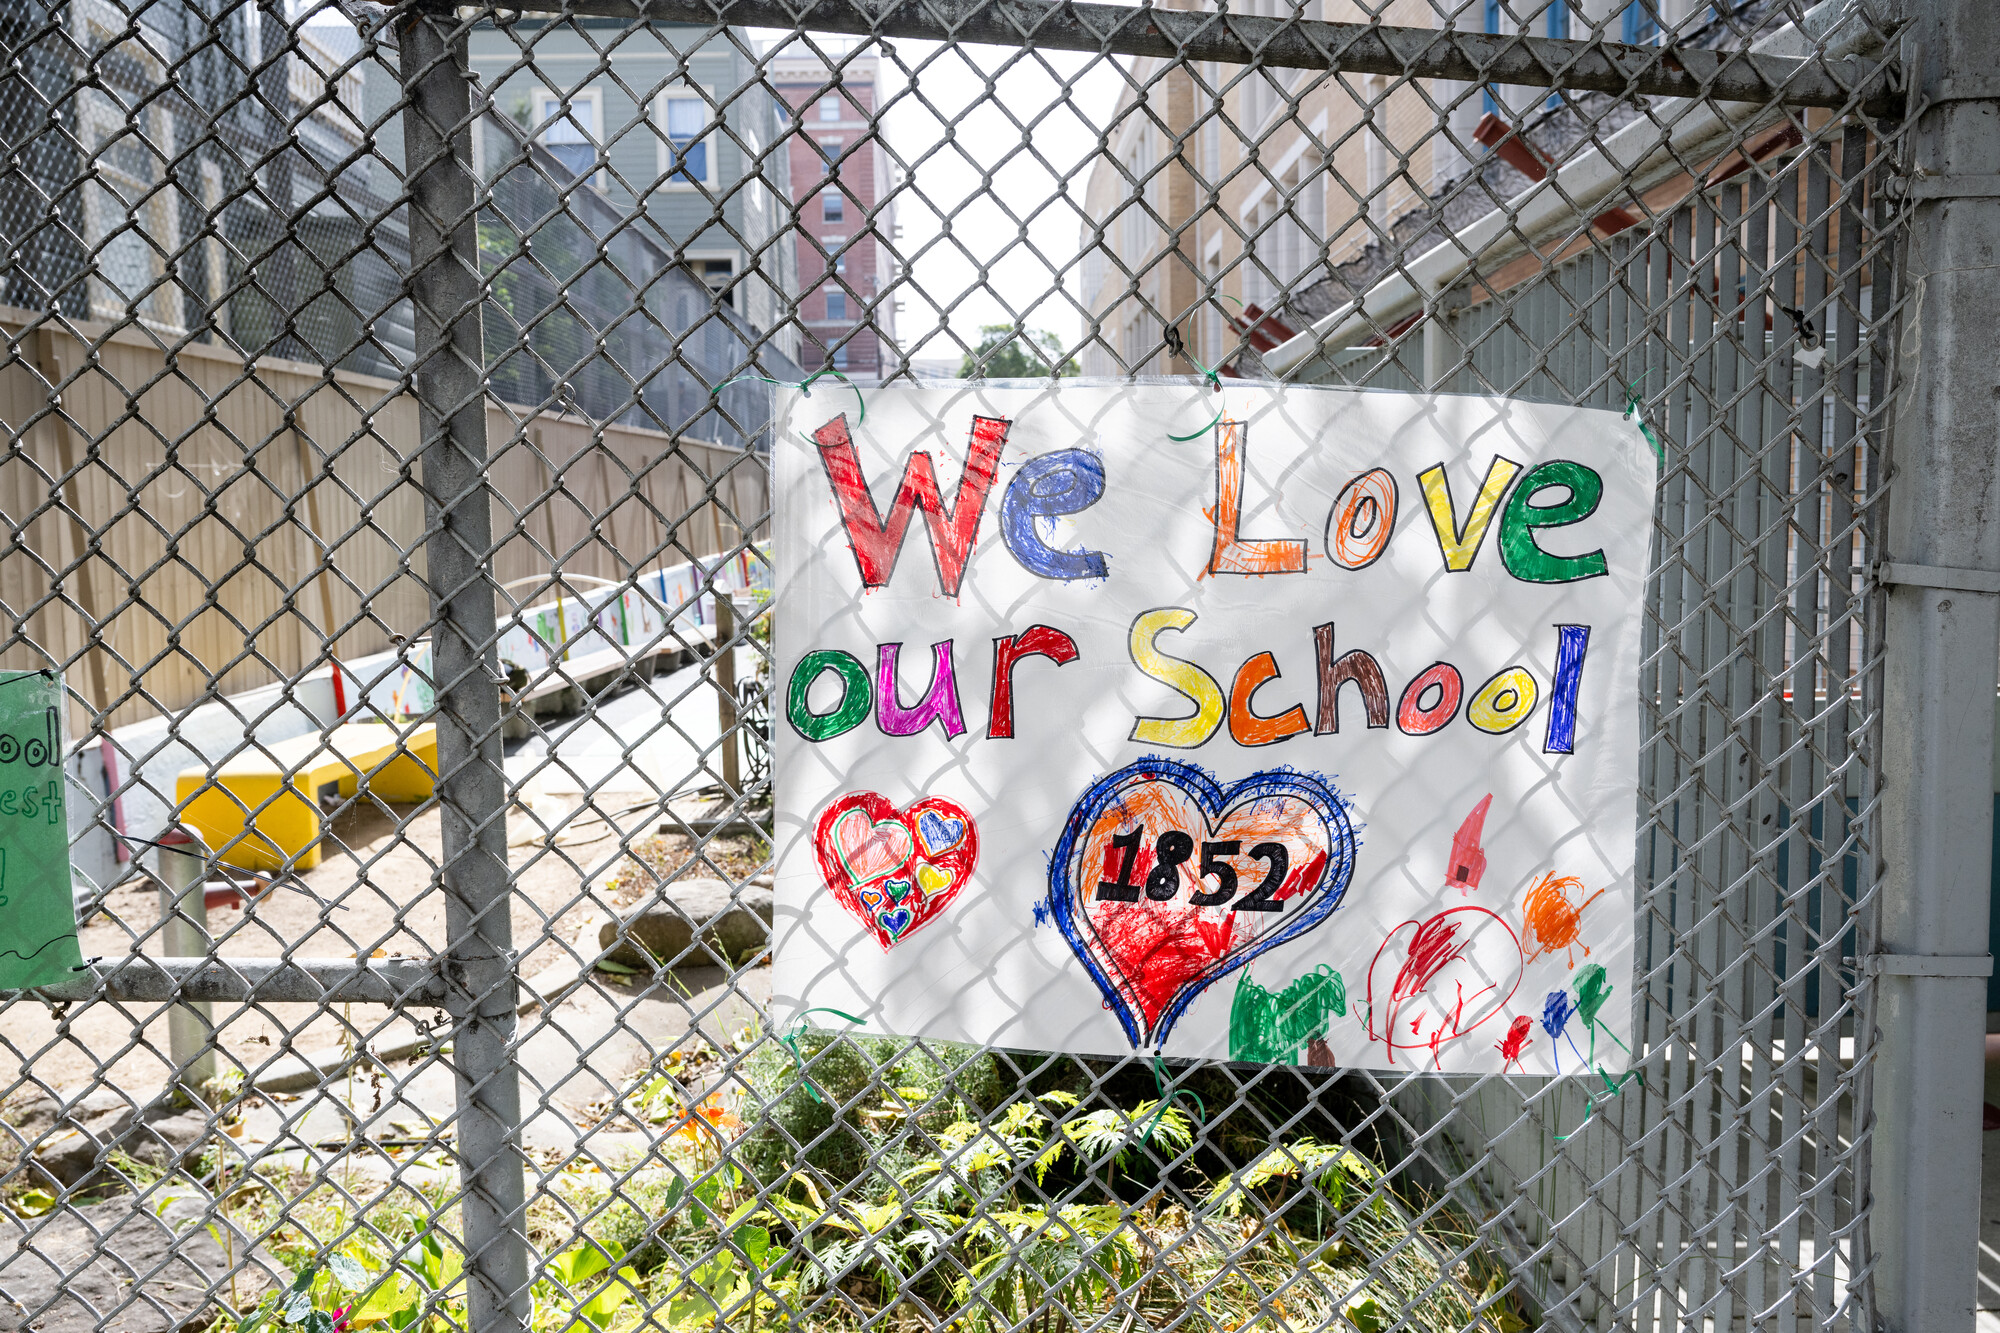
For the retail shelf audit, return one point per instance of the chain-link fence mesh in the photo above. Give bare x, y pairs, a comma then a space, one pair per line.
389, 395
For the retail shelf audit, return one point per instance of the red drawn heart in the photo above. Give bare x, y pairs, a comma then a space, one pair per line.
1152, 923
894, 869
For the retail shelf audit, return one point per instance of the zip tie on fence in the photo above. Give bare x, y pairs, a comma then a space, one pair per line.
1645, 428
1160, 1075
804, 386
791, 1040
1216, 420
1590, 1103
1172, 337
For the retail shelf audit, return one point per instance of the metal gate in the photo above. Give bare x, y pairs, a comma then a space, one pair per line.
388, 395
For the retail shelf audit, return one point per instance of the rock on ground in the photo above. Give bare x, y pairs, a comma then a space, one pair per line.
69, 1142
119, 1265
735, 924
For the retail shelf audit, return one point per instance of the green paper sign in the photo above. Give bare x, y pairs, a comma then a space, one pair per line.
37, 911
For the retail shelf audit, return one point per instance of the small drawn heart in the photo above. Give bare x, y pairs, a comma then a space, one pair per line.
870, 848
872, 854
1165, 880
939, 833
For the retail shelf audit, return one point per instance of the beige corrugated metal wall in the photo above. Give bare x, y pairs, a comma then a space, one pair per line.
209, 506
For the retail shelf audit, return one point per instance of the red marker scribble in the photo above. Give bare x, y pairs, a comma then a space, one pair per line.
1155, 948
1438, 941
1515, 1042
1468, 860
1429, 986
1553, 921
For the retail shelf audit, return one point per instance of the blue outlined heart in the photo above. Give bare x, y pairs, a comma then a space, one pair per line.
940, 833
1165, 880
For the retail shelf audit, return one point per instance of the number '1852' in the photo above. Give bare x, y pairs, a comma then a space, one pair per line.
1171, 851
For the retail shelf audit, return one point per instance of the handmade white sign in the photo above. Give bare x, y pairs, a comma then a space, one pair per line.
1310, 737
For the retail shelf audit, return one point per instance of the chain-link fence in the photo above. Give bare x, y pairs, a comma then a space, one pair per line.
389, 395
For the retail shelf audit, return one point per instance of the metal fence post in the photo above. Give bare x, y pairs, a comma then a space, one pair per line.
725, 693
449, 379
1941, 644
184, 934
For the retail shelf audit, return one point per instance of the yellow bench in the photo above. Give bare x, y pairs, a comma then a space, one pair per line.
399, 765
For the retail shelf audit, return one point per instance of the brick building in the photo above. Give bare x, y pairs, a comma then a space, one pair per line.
842, 185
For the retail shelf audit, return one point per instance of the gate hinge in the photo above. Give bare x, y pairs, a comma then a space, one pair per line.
1929, 965
1936, 576
1917, 188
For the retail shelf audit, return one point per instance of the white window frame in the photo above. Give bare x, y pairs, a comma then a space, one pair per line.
664, 153
830, 291
829, 151
544, 120
819, 112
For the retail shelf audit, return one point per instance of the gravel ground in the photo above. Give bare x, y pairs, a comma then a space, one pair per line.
372, 891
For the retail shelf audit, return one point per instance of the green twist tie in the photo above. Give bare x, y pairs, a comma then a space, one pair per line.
804, 386
791, 1040
1645, 428
1160, 1075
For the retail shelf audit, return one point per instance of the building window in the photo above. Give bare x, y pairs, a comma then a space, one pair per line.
829, 150
840, 263
1138, 344
684, 151
132, 221
716, 273
569, 127
1555, 13
836, 304
1642, 23
1138, 227
1096, 268
840, 358
829, 107
832, 208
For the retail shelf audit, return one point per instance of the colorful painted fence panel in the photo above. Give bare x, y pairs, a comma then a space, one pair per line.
1282, 725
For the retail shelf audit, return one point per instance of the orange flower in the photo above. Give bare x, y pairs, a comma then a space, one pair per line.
709, 1121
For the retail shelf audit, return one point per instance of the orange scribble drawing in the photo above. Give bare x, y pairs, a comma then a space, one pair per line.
1553, 921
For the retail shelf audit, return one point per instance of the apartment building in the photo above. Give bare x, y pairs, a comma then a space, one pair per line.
653, 119
843, 189
1239, 204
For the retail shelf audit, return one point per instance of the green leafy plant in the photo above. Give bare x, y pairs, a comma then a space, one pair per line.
1006, 352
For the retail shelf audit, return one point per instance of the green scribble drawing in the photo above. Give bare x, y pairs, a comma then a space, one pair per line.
1267, 1027
1593, 988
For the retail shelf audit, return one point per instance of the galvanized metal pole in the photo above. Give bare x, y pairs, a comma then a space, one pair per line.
449, 378
1941, 645
184, 934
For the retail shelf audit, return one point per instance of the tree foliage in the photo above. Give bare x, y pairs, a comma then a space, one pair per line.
1007, 352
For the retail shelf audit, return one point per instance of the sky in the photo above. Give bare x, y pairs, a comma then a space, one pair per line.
1036, 133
